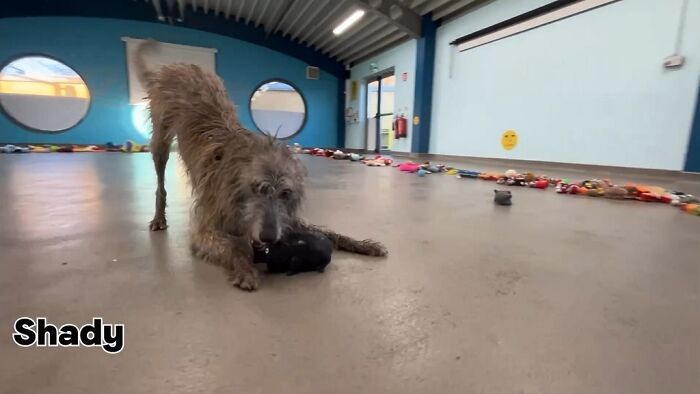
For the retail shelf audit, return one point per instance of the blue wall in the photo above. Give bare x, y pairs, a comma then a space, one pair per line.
93, 47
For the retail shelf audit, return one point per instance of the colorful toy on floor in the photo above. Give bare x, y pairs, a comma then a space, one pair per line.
378, 161
616, 193
539, 184
356, 157
409, 166
40, 149
468, 174
339, 155
693, 209
14, 149
64, 149
89, 148
132, 147
502, 197
489, 176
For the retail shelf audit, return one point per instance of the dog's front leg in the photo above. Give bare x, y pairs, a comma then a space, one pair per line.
233, 253
367, 247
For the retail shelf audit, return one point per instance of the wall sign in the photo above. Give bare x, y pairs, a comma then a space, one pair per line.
509, 139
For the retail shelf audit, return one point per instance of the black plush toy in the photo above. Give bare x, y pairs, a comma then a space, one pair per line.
298, 252
502, 197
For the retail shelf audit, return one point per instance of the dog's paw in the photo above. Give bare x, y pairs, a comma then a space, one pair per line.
245, 279
158, 224
372, 248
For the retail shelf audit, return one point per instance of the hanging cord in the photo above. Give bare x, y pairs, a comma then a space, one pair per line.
453, 49
681, 27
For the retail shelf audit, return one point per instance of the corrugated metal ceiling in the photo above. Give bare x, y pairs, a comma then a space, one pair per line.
310, 22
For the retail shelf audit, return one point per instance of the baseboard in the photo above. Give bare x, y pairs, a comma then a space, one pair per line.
534, 164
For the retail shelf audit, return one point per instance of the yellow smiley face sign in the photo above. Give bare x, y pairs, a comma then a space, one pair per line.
509, 139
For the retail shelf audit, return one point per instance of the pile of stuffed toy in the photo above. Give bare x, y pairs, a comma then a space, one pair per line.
591, 187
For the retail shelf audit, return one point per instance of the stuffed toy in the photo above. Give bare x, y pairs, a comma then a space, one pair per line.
502, 197
616, 193
379, 161
297, 252
488, 176
339, 155
518, 180
693, 209
468, 174
14, 149
540, 184
409, 167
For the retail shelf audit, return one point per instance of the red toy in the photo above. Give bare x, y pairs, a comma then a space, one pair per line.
540, 184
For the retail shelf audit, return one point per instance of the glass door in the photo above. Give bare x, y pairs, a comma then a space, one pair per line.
380, 112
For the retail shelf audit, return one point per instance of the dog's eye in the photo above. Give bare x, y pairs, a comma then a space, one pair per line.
286, 194
263, 188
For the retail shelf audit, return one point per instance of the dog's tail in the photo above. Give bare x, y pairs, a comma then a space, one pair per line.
144, 75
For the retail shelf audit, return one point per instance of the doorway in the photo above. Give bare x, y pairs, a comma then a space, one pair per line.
692, 160
380, 111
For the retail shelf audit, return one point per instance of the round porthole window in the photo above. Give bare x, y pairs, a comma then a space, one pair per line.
278, 109
43, 94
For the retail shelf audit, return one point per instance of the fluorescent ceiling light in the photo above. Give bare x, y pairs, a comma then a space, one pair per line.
351, 20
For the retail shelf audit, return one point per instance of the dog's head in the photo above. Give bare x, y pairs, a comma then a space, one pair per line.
273, 189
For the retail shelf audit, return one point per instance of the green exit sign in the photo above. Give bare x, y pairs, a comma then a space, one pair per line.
373, 67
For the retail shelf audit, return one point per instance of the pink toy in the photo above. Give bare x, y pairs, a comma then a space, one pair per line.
409, 167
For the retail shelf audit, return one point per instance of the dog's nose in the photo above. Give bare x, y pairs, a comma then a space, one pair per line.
268, 236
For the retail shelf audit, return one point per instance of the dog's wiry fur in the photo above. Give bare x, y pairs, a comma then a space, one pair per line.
247, 188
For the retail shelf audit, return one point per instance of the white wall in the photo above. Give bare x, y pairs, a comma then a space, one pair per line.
403, 59
588, 89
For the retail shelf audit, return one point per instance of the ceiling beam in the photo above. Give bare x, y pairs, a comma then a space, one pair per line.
378, 50
369, 43
322, 24
432, 5
294, 20
228, 8
181, 8
260, 20
332, 41
240, 10
359, 38
458, 8
377, 44
396, 13
308, 19
284, 15
251, 15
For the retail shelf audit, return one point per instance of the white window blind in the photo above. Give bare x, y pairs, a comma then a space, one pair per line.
166, 54
559, 14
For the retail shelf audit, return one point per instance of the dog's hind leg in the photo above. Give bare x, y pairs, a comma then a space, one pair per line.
343, 242
160, 150
233, 253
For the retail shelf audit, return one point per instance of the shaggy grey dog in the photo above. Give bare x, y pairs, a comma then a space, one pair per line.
247, 188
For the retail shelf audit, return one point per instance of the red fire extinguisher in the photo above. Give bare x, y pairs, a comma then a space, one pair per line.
401, 129
395, 127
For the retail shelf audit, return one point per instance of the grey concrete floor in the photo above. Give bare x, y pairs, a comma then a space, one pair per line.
556, 294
